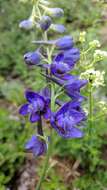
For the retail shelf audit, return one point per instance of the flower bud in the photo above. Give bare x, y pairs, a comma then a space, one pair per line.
45, 22
26, 24
71, 56
54, 12
32, 58
58, 28
64, 43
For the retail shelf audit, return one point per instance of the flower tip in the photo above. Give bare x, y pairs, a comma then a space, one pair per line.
58, 28
65, 43
32, 58
55, 12
26, 24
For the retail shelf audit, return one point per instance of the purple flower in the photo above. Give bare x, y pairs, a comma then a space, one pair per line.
26, 24
36, 145
65, 120
32, 58
45, 22
64, 43
75, 84
58, 67
64, 62
71, 85
54, 12
58, 28
46, 93
71, 56
36, 107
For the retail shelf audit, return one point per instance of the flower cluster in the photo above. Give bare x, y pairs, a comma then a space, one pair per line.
96, 77
57, 64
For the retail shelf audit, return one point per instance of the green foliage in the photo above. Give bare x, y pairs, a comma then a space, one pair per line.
81, 14
97, 182
13, 42
12, 90
13, 135
54, 182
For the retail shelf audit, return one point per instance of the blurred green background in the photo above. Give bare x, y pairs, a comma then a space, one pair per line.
85, 164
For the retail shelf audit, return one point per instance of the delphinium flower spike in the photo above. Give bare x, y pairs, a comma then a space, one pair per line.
58, 58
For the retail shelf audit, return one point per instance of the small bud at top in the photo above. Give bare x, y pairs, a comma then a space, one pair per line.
58, 28
45, 22
54, 12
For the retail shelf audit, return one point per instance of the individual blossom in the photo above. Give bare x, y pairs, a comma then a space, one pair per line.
45, 22
32, 58
58, 28
36, 145
64, 62
72, 89
75, 84
65, 120
26, 24
58, 67
36, 107
71, 85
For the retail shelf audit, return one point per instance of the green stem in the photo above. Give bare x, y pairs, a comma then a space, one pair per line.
45, 165
90, 109
49, 151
